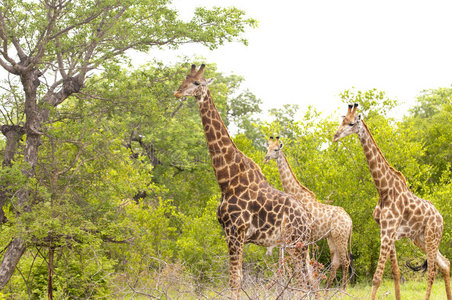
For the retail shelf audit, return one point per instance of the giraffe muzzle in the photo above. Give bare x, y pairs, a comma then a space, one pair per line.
178, 94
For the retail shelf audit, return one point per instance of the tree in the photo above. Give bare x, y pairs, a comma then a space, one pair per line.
53, 46
429, 120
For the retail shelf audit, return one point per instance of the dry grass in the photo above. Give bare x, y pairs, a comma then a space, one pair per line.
173, 281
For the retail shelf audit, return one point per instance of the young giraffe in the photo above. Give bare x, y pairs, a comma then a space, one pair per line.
251, 211
330, 222
399, 213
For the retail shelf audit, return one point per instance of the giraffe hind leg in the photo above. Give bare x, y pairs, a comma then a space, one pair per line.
341, 245
335, 263
341, 258
442, 262
444, 266
345, 263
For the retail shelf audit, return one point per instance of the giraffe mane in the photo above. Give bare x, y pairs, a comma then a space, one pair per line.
220, 119
232, 141
296, 179
398, 173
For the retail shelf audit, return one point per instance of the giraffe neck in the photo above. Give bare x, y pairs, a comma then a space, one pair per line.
228, 162
290, 183
383, 174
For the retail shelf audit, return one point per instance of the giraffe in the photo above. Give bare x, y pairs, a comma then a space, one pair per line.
250, 211
399, 213
329, 222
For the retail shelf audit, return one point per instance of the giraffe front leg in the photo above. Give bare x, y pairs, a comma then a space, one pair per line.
395, 271
431, 273
385, 248
235, 245
432, 250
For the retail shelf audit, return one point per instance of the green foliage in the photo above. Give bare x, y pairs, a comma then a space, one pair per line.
124, 186
151, 234
432, 102
440, 197
86, 269
371, 102
430, 120
202, 247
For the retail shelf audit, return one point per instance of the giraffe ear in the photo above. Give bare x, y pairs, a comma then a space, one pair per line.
210, 81
359, 117
281, 145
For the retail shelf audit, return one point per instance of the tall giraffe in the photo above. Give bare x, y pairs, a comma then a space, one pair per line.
330, 222
251, 211
399, 213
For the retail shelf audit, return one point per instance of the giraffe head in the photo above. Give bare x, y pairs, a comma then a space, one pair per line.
351, 123
194, 84
273, 149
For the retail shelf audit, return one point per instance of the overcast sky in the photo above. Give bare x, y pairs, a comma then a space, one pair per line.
307, 52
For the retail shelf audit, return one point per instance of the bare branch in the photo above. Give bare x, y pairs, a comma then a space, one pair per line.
4, 51
43, 39
60, 59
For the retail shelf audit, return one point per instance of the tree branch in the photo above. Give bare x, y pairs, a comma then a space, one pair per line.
83, 22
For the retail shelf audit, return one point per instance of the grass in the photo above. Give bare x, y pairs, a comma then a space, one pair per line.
412, 290
176, 285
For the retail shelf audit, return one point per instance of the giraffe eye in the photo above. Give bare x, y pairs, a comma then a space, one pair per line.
351, 124
196, 83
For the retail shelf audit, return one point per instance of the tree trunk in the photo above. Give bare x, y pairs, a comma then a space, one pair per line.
12, 256
34, 121
13, 134
3, 199
17, 247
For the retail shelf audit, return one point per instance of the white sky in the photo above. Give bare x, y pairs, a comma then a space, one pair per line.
307, 52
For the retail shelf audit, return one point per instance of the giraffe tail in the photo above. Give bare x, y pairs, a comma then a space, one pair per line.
418, 268
351, 269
